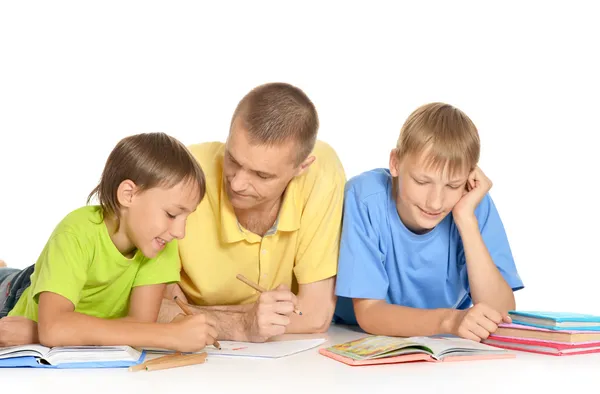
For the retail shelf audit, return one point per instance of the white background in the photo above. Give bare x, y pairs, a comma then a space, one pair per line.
75, 77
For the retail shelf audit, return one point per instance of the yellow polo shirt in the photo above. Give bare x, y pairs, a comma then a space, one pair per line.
301, 247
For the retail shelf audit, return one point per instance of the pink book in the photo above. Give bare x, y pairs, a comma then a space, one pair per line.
550, 347
373, 350
534, 333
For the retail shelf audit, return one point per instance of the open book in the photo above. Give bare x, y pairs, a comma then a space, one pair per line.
38, 356
388, 350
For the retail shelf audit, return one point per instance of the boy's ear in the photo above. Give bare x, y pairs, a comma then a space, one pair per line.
126, 192
394, 162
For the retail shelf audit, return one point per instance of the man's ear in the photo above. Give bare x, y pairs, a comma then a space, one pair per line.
305, 164
126, 193
394, 163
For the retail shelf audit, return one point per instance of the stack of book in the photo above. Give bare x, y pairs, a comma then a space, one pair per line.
555, 333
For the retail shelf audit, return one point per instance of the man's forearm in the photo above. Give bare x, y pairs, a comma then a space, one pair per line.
230, 318
315, 318
316, 301
485, 280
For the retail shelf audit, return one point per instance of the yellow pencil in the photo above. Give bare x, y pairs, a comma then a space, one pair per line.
258, 288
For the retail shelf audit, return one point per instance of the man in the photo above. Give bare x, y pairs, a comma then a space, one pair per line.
272, 213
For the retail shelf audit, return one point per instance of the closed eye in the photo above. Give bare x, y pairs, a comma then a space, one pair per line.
170, 216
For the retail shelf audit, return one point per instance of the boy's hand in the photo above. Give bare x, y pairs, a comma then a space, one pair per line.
476, 188
18, 330
192, 333
270, 314
476, 323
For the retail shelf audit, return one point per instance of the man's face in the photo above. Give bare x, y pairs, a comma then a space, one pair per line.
256, 175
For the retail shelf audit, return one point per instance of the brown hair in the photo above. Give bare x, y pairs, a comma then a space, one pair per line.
447, 135
149, 160
275, 112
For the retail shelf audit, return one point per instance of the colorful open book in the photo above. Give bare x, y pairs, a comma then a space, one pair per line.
38, 356
389, 350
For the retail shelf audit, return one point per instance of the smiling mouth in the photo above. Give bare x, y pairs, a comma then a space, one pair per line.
430, 213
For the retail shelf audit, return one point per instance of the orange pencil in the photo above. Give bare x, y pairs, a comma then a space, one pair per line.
158, 360
258, 288
189, 312
181, 361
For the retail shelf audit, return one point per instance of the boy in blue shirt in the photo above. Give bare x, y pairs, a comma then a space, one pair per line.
422, 242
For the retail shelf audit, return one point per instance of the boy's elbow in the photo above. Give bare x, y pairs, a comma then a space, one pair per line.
366, 319
49, 335
365, 323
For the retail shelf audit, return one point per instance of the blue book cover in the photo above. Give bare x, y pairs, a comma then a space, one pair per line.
38, 356
557, 320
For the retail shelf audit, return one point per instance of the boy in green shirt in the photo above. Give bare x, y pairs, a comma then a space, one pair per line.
100, 278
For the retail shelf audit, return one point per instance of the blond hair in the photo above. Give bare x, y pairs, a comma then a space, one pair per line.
274, 113
149, 160
445, 133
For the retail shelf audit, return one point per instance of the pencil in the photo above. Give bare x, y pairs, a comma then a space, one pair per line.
181, 361
158, 360
258, 288
189, 312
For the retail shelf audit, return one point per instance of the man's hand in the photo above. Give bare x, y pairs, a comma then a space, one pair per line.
18, 330
476, 188
270, 314
475, 323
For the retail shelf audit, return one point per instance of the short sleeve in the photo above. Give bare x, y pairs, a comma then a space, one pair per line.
319, 237
165, 268
361, 270
62, 268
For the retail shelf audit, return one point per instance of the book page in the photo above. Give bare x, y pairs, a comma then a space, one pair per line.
274, 349
33, 350
442, 346
266, 350
378, 347
72, 354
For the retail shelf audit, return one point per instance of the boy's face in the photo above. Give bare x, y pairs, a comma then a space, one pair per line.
156, 216
256, 175
424, 196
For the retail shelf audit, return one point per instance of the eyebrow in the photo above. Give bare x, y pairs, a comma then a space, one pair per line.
266, 174
427, 178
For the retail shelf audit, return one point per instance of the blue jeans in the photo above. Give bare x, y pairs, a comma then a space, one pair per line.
13, 283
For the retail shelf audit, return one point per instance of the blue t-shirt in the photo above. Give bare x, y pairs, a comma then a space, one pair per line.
380, 258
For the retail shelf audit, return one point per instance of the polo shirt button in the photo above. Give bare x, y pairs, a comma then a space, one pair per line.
264, 251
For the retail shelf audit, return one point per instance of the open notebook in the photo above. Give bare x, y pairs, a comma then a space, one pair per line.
389, 350
38, 356
275, 349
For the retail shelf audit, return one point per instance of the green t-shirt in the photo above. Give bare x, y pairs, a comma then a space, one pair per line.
81, 263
